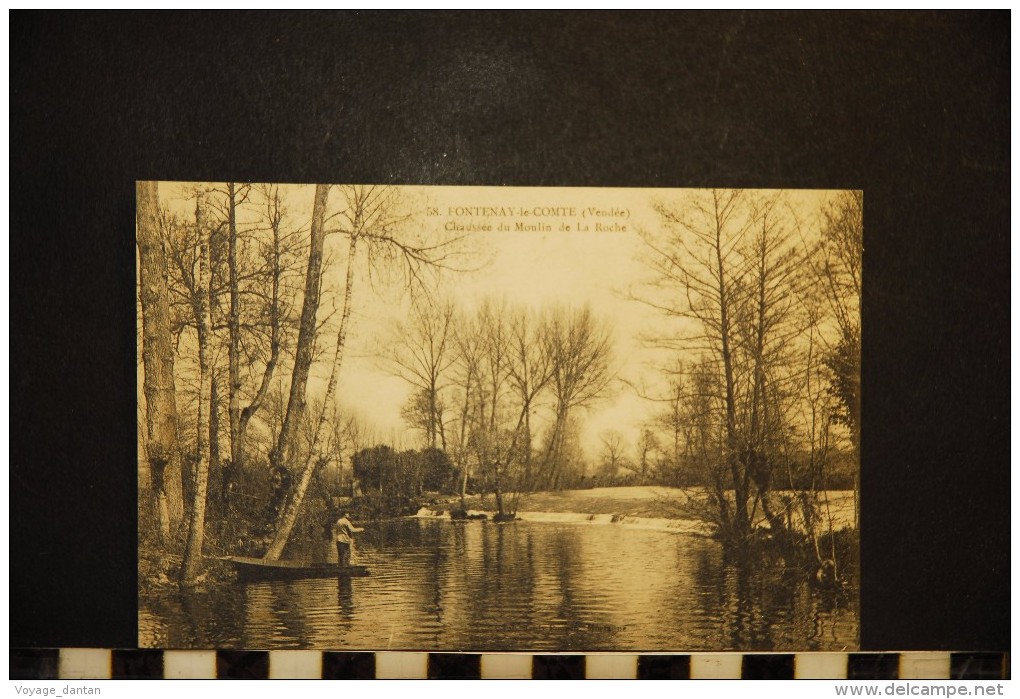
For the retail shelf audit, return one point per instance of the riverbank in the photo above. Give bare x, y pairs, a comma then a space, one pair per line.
645, 502
633, 501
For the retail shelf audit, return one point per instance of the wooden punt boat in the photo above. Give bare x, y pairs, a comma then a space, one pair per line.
258, 569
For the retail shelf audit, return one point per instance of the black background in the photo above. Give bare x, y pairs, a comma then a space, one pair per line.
911, 108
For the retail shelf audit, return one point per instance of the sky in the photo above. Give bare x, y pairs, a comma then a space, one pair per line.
544, 264
529, 246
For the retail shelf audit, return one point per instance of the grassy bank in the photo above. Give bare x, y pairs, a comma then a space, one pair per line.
636, 501
639, 501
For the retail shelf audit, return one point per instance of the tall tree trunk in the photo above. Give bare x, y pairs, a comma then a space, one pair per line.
158, 360
433, 432
214, 389
286, 445
462, 450
290, 513
237, 441
233, 329
758, 465
214, 427
742, 524
527, 441
196, 532
463, 485
855, 429
499, 494
554, 454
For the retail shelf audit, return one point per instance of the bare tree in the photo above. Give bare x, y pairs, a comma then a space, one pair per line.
285, 450
696, 255
373, 219
182, 242
349, 434
839, 271
768, 330
818, 407
158, 359
580, 348
196, 282
614, 453
725, 266
840, 275
501, 367
466, 377
422, 351
671, 419
269, 305
234, 326
647, 449
494, 443
530, 371
250, 266
196, 531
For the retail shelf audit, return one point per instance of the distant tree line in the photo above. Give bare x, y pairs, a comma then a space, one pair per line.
502, 390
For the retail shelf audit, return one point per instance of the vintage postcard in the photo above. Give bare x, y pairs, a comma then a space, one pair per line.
498, 418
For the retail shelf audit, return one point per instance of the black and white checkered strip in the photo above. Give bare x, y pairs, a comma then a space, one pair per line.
89, 663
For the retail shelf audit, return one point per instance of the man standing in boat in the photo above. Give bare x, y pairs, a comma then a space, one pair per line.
343, 531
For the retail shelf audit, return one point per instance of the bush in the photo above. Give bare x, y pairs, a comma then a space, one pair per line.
379, 506
403, 475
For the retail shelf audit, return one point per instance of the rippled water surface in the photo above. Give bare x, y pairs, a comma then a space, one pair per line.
442, 585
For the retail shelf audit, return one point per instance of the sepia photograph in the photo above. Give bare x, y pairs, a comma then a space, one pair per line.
378, 417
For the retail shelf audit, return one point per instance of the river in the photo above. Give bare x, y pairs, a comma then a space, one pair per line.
528, 586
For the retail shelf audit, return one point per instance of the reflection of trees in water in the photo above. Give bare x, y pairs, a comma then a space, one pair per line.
584, 626
530, 580
709, 574
287, 608
398, 533
462, 545
521, 585
541, 577
294, 600
433, 588
209, 619
506, 583
345, 598
422, 549
836, 616
765, 605
744, 623
515, 586
298, 614
262, 612
563, 556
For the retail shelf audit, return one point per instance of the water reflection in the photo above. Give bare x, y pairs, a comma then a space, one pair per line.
345, 598
518, 586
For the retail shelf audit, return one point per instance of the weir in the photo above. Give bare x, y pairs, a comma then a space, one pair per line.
678, 526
